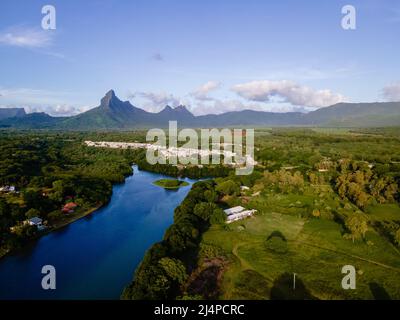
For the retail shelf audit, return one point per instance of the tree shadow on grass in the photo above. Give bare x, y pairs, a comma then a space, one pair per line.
283, 289
378, 291
277, 234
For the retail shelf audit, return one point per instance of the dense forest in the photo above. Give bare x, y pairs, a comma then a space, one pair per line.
48, 170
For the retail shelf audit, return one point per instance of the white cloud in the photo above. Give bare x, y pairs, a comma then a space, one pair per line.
32, 96
228, 105
287, 91
155, 101
61, 110
392, 92
201, 93
36, 100
26, 37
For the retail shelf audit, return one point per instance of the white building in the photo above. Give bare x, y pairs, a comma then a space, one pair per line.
8, 189
233, 210
173, 152
237, 213
240, 215
35, 221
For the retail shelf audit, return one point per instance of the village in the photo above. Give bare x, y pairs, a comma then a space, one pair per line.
173, 153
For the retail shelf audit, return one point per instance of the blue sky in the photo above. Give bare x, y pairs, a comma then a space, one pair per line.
212, 56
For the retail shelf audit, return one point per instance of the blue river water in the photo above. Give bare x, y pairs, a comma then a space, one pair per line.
95, 257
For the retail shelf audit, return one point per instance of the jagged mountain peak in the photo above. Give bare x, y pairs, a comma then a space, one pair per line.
167, 108
11, 112
181, 109
116, 114
109, 99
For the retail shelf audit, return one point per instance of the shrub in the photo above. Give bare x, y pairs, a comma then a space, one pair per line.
277, 243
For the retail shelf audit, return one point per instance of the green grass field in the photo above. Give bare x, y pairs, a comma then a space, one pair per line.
316, 253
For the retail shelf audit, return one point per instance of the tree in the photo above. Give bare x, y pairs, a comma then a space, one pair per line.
313, 178
32, 213
391, 191
57, 193
277, 242
228, 187
316, 213
174, 269
357, 224
362, 199
211, 196
397, 236
204, 210
218, 216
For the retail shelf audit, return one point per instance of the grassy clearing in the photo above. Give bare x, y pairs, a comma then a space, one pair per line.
383, 212
317, 252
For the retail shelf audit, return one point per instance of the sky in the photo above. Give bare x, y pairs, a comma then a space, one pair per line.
212, 56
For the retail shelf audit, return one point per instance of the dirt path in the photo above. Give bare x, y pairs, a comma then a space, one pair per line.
244, 263
348, 255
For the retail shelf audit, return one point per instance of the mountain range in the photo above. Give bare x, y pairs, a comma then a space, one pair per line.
112, 113
11, 112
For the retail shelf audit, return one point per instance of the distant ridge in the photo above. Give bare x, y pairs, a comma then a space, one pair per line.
11, 112
112, 113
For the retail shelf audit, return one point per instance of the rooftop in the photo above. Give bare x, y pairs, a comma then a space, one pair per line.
233, 210
35, 220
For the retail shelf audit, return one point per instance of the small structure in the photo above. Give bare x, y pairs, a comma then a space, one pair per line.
36, 221
244, 188
241, 215
8, 189
69, 207
238, 213
233, 210
324, 165
289, 167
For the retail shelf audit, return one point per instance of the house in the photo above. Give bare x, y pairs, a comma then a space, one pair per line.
69, 207
237, 213
233, 210
8, 189
35, 221
240, 215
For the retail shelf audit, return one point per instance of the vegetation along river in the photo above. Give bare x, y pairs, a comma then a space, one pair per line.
95, 257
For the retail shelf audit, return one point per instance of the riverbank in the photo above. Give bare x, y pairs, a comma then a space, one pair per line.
72, 218
102, 249
67, 219
63, 223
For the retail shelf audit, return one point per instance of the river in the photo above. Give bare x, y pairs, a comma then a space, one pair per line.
95, 257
